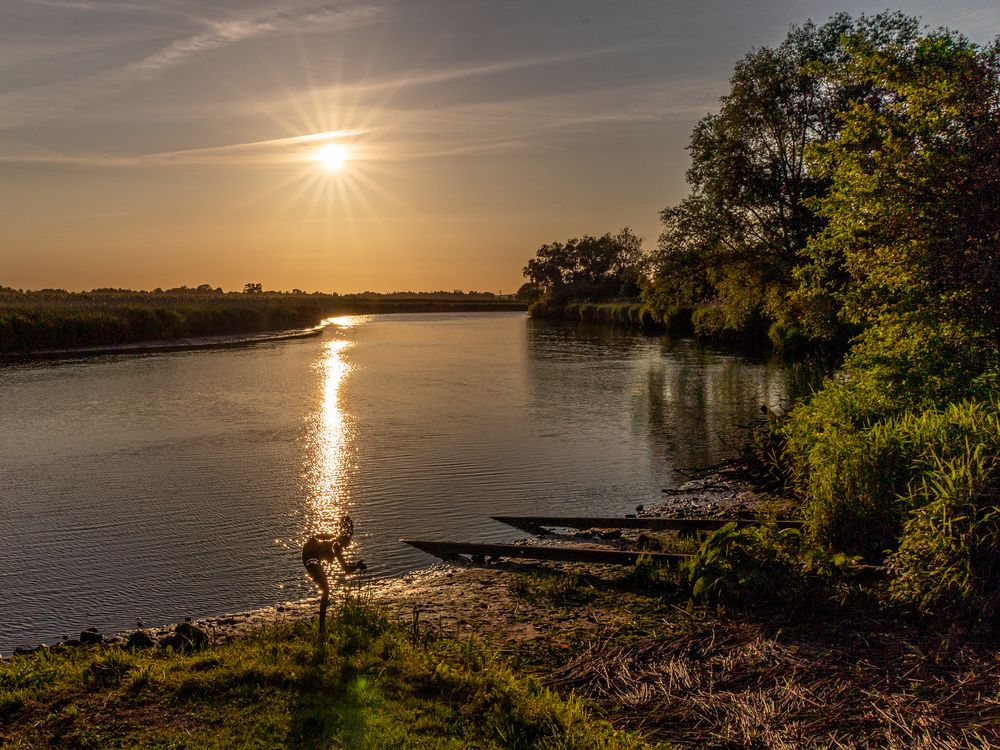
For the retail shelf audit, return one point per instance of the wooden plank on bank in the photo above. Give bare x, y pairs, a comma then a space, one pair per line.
537, 524
563, 553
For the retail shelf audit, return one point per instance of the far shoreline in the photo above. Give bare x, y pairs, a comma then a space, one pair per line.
227, 341
55, 323
170, 345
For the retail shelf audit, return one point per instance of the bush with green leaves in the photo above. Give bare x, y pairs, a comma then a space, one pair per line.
920, 486
860, 475
761, 565
912, 387
949, 553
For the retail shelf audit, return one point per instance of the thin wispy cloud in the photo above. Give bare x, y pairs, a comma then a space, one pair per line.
103, 6
218, 34
455, 73
526, 124
440, 132
106, 8
68, 4
268, 151
38, 103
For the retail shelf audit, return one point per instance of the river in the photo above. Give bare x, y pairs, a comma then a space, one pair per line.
161, 486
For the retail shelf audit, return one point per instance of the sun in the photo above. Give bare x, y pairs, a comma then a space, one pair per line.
332, 156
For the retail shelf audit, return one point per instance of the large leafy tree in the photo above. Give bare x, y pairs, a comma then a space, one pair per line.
731, 247
913, 211
895, 447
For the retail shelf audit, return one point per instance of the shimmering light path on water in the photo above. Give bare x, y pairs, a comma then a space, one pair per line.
169, 485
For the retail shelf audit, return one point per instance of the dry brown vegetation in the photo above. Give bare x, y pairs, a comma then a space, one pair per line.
845, 673
717, 683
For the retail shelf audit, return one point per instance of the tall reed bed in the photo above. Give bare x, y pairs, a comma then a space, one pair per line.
919, 489
55, 320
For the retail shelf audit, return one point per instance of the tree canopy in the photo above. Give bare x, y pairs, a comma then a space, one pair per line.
912, 219
730, 249
592, 268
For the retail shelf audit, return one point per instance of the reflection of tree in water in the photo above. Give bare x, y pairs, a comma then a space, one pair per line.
581, 387
697, 400
555, 340
572, 365
679, 404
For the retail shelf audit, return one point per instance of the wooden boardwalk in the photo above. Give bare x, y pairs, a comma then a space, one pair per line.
537, 524
481, 552
563, 553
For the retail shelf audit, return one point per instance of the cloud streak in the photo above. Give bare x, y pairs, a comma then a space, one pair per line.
46, 101
269, 151
446, 75
218, 34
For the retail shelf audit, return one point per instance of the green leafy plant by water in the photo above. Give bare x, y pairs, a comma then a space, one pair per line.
761, 565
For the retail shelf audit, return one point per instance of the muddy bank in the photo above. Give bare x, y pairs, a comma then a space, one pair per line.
847, 674
486, 601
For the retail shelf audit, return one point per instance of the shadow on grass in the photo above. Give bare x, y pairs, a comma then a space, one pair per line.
336, 701
326, 711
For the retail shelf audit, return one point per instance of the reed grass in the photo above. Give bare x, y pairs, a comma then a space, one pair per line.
632, 314
35, 321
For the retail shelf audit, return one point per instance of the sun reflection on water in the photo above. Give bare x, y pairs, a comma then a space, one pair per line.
343, 321
328, 462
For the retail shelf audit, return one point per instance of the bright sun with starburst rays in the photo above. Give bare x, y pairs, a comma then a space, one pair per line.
332, 157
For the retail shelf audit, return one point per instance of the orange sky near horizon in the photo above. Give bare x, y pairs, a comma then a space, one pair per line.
157, 144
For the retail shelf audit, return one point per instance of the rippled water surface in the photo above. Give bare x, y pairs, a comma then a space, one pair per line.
182, 484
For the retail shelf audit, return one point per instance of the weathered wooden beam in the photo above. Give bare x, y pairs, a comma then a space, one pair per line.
564, 553
537, 524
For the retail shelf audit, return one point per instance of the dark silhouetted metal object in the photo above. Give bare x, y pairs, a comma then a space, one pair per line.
537, 524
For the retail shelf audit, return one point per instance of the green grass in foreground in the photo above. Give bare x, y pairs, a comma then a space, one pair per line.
371, 684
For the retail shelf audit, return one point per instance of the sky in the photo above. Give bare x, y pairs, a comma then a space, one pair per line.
351, 146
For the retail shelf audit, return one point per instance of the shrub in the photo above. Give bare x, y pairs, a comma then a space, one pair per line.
708, 320
848, 477
760, 564
897, 456
916, 360
949, 553
862, 481
855, 449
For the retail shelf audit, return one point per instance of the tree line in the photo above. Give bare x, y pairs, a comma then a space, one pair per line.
847, 194
851, 167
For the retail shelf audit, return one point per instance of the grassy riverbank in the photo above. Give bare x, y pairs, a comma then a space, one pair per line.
521, 656
541, 656
54, 319
373, 683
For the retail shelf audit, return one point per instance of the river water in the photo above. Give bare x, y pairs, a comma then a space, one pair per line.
183, 484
